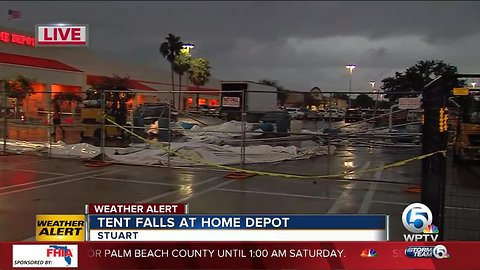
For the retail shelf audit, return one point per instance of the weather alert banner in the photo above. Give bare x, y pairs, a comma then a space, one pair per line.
237, 228
243, 255
60, 228
44, 256
137, 209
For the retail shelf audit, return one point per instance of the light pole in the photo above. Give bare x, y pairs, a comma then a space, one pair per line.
186, 48
372, 84
350, 68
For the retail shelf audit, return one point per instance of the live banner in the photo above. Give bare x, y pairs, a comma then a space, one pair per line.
240, 255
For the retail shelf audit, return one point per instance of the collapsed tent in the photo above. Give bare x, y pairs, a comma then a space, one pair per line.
185, 154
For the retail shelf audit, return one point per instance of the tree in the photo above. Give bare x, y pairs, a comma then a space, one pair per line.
181, 66
199, 74
170, 50
121, 85
363, 101
340, 96
18, 88
383, 104
414, 78
282, 93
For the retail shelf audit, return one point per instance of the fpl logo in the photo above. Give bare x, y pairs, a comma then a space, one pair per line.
417, 218
61, 35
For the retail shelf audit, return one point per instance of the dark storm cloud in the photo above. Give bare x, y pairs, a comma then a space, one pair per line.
301, 44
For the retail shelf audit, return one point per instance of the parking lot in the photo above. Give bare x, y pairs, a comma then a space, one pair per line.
31, 185
37, 185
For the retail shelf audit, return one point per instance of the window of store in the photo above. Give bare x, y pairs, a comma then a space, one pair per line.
202, 101
213, 102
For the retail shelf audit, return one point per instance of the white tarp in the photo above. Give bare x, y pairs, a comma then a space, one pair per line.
202, 153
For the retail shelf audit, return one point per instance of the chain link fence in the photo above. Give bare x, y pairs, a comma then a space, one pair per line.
149, 129
297, 116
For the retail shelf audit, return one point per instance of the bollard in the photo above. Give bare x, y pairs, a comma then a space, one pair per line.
5, 125
50, 130
102, 142
168, 132
242, 147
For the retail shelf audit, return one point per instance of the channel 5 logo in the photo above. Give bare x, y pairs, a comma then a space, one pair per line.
437, 252
417, 218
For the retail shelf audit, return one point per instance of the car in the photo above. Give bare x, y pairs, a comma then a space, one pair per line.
321, 114
204, 109
295, 113
213, 111
353, 115
311, 115
148, 113
333, 114
414, 115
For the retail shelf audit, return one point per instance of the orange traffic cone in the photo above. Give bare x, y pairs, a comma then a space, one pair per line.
100, 160
414, 189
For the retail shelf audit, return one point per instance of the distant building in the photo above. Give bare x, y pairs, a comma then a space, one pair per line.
306, 100
294, 99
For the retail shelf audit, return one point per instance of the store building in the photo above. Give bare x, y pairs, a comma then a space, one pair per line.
74, 70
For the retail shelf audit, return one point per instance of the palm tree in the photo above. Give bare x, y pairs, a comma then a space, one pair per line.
170, 50
181, 66
199, 74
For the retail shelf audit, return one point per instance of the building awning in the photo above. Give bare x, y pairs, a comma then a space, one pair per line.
132, 84
30, 61
205, 90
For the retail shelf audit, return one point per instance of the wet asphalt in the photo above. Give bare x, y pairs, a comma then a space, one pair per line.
31, 185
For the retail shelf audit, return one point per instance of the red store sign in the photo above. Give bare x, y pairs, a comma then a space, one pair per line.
8, 37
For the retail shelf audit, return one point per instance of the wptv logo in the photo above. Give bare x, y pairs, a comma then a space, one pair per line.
417, 218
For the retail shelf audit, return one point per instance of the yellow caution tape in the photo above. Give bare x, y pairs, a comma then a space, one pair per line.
285, 175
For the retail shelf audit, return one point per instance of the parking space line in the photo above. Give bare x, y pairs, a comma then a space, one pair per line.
462, 208
54, 178
34, 171
163, 195
275, 194
205, 191
367, 200
8, 166
336, 206
446, 207
137, 181
51, 184
200, 193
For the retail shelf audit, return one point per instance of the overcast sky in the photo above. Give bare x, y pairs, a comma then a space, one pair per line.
300, 44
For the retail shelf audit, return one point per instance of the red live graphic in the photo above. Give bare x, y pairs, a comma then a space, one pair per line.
62, 35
